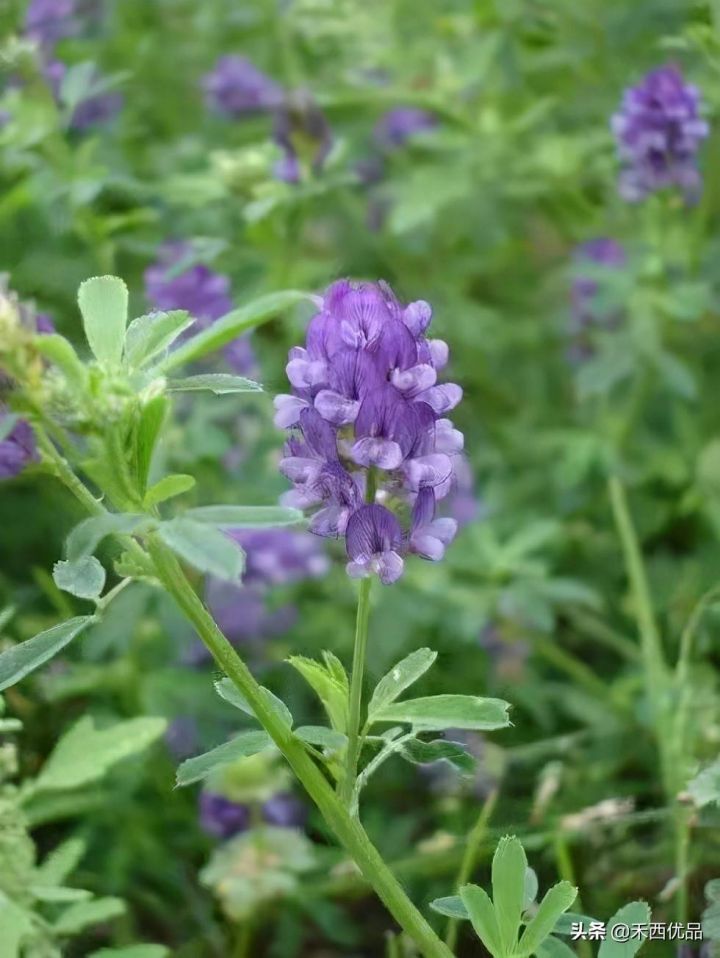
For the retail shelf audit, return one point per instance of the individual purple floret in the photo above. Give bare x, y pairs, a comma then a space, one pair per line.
285, 811
587, 313
96, 108
303, 134
17, 445
221, 817
176, 281
236, 88
370, 440
47, 21
659, 130
397, 126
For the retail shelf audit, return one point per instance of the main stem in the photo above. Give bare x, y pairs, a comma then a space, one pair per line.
348, 830
356, 686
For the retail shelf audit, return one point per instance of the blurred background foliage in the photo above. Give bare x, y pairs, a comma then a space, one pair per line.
481, 214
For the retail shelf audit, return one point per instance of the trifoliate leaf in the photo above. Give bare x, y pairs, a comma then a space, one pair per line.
438, 712
21, 659
400, 677
204, 547
242, 746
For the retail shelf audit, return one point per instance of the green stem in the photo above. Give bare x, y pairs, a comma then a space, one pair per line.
348, 830
566, 871
651, 647
472, 850
682, 860
356, 685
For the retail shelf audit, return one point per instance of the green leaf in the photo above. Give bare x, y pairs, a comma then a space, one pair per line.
227, 328
437, 712
227, 690
482, 915
222, 384
554, 948
705, 787
242, 746
509, 866
88, 913
451, 907
321, 736
204, 547
563, 926
400, 677
711, 921
147, 432
61, 862
84, 754
7, 424
531, 888
132, 951
712, 890
330, 689
423, 753
556, 901
152, 334
636, 913
61, 353
87, 535
103, 302
246, 517
16, 924
84, 578
167, 488
21, 659
58, 893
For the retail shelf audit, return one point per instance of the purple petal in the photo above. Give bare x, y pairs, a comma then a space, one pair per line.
287, 410
415, 380
443, 398
417, 317
336, 409
374, 451
389, 567
448, 439
371, 531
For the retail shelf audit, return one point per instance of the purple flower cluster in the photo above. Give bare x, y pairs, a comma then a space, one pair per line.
369, 428
587, 313
17, 446
175, 281
397, 126
659, 129
236, 88
223, 818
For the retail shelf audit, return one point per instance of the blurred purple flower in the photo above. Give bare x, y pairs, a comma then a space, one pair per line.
221, 817
17, 445
96, 108
587, 313
397, 126
274, 557
280, 556
285, 811
659, 130
302, 132
47, 21
181, 737
369, 431
507, 654
236, 88
175, 281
